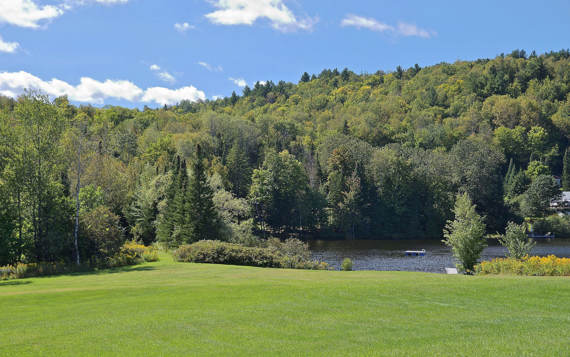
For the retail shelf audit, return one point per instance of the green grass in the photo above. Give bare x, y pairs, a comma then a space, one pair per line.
168, 308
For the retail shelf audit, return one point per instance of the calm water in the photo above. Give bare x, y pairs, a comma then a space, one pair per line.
389, 254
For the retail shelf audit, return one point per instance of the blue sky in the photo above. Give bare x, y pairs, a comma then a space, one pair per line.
145, 52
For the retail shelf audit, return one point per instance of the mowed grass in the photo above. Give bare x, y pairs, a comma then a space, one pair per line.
168, 308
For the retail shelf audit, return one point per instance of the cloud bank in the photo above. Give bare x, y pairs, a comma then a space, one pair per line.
90, 90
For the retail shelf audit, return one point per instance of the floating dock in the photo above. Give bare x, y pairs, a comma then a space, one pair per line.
415, 253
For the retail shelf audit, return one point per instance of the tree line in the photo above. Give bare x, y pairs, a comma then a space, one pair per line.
336, 155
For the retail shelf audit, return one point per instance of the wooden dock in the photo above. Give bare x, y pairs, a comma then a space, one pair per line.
415, 253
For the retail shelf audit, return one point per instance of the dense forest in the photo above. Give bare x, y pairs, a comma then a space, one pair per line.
337, 155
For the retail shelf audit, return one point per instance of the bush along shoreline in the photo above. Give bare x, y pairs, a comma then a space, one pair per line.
292, 254
534, 266
130, 253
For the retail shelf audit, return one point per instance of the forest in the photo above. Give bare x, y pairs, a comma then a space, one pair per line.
337, 155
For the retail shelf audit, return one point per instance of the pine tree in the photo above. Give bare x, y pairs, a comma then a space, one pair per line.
305, 77
508, 181
172, 216
239, 172
203, 221
566, 170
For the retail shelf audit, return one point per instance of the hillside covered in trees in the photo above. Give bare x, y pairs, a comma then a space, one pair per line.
336, 155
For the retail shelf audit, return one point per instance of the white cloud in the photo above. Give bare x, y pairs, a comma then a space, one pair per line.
183, 27
26, 13
365, 22
164, 75
167, 77
403, 29
90, 90
8, 47
210, 68
8, 93
167, 96
29, 14
240, 82
246, 12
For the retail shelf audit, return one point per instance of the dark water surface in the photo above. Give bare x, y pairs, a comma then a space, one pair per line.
389, 254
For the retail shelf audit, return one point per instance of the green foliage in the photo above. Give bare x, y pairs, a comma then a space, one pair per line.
100, 235
538, 196
516, 241
290, 247
216, 252
555, 224
535, 169
566, 170
203, 221
515, 182
339, 154
346, 264
465, 234
90, 198
131, 253
278, 190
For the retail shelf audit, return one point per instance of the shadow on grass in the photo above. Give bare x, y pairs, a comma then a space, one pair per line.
14, 282
125, 269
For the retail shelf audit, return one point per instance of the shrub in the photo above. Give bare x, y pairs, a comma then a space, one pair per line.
516, 241
27, 270
101, 234
537, 266
216, 252
291, 247
132, 253
346, 264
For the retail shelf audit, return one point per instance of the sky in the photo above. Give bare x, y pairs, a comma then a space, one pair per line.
156, 52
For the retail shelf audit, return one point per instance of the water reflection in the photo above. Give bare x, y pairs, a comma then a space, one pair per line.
389, 255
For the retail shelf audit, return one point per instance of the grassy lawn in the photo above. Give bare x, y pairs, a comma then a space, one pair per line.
168, 308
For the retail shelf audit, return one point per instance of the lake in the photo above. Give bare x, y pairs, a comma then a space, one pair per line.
389, 254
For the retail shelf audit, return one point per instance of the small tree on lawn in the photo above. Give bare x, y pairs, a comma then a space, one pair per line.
465, 234
516, 240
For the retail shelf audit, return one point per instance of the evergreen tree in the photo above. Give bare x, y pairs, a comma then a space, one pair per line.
305, 77
239, 172
566, 170
203, 221
173, 214
508, 177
